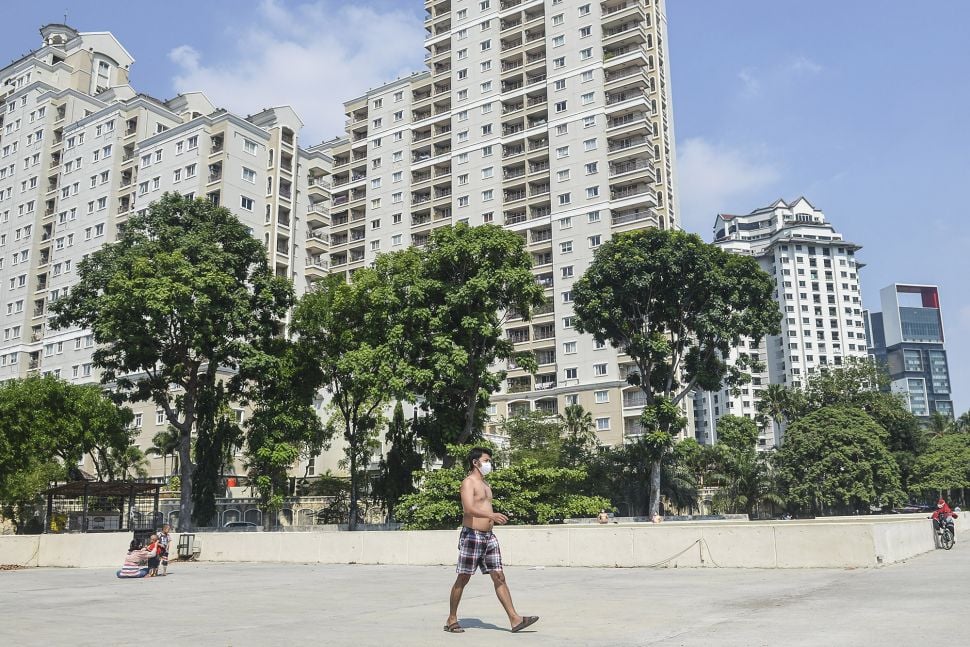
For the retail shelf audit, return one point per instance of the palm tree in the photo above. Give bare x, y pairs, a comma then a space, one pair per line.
746, 482
165, 444
580, 438
940, 425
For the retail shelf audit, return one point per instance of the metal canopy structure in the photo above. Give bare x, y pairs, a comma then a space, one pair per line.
108, 506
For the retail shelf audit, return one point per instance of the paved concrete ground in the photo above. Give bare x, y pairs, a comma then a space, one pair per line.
394, 606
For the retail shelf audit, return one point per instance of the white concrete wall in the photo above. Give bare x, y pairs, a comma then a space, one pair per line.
823, 543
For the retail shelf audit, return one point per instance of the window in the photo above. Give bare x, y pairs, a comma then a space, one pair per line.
246, 203
397, 197
571, 374
562, 151
567, 271
563, 175
585, 32
593, 216
588, 98
486, 108
589, 144
558, 41
486, 195
564, 198
190, 170
566, 246
249, 175
487, 86
396, 240
567, 296
560, 106
463, 179
569, 347
486, 151
557, 20
592, 192
558, 63
562, 129
487, 172
249, 146
602, 424
592, 168
462, 54
487, 129
595, 241
463, 201
397, 176
486, 45
586, 54
193, 142
462, 115
601, 397
599, 369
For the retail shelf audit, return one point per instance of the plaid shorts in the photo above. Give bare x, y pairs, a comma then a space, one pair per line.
477, 549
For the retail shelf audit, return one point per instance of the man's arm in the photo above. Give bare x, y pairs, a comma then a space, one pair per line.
477, 509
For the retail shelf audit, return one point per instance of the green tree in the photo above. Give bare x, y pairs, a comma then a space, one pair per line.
836, 458
403, 459
455, 297
676, 306
579, 440
944, 467
177, 298
119, 464
864, 385
45, 418
527, 492
166, 443
280, 377
744, 473
534, 436
349, 333
939, 425
21, 492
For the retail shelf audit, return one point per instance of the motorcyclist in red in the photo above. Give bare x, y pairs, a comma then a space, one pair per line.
944, 514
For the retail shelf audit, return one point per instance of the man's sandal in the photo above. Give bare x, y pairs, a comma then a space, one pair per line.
454, 628
526, 621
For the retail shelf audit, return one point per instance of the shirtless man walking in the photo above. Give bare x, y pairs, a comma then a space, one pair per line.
478, 545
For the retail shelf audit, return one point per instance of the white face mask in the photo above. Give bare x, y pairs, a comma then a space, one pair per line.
485, 468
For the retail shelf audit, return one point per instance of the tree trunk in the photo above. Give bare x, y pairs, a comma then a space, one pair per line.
352, 521
471, 402
654, 488
185, 476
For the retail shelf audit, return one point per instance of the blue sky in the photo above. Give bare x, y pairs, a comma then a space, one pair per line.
860, 106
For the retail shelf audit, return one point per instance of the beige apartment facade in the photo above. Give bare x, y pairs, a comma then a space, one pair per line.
82, 151
552, 119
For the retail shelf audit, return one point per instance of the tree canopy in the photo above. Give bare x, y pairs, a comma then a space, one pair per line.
527, 492
836, 458
453, 298
175, 299
676, 306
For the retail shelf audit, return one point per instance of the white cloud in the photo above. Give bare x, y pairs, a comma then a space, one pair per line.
717, 179
779, 75
312, 56
803, 65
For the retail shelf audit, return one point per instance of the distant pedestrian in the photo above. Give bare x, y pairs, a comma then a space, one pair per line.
602, 517
478, 546
164, 539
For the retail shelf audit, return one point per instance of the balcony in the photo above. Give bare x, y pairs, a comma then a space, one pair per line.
515, 218
630, 167
622, 218
630, 192
624, 144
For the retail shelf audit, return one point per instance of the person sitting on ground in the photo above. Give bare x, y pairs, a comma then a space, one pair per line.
944, 515
602, 517
155, 548
135, 561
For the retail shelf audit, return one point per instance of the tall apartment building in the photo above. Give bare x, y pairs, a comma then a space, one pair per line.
81, 151
550, 118
816, 278
907, 337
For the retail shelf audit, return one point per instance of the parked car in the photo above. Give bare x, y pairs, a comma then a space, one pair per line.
241, 525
